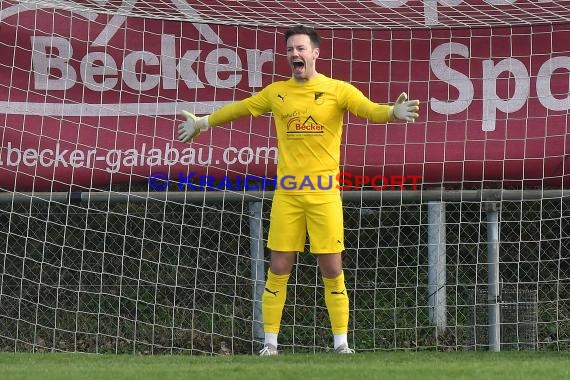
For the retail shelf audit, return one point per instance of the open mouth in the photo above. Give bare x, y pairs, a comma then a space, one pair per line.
298, 66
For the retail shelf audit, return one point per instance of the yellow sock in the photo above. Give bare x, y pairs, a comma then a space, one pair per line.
336, 300
273, 301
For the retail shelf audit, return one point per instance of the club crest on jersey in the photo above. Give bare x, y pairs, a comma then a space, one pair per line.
319, 99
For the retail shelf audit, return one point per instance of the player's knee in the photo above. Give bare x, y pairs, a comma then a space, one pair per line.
282, 262
331, 272
330, 265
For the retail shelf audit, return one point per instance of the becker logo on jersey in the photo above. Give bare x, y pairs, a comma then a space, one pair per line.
299, 128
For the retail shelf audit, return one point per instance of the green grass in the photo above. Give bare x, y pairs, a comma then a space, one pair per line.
380, 365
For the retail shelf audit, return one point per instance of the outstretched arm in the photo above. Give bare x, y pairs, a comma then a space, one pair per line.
194, 125
362, 106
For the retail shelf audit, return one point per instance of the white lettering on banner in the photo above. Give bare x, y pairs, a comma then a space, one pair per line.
215, 65
130, 72
45, 61
491, 101
453, 77
247, 155
491, 72
117, 160
51, 57
255, 59
102, 65
168, 61
543, 84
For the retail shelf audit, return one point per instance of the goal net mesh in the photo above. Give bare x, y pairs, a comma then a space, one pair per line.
115, 237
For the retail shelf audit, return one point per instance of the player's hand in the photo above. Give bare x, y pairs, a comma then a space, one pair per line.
405, 109
192, 127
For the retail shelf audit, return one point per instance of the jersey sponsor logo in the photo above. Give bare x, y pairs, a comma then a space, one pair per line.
297, 127
282, 97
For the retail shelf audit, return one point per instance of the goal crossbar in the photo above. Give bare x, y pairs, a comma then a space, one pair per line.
481, 195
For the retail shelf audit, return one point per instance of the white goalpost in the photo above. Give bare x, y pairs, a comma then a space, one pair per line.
117, 238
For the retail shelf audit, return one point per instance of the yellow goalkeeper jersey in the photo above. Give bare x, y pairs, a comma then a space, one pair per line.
308, 121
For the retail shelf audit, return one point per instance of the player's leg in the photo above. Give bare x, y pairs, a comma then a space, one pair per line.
326, 231
273, 298
287, 233
336, 299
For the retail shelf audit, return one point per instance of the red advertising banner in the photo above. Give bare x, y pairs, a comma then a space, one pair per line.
87, 99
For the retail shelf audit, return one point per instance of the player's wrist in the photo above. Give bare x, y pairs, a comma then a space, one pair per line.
391, 114
202, 123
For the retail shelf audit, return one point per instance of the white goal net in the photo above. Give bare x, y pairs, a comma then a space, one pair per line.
115, 237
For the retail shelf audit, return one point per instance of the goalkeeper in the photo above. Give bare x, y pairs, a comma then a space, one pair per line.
308, 111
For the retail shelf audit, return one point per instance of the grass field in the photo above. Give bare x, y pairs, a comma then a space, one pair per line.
380, 365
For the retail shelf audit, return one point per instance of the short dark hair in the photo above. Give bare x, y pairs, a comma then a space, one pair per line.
301, 29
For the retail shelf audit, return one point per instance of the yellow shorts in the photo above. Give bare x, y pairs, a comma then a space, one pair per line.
292, 216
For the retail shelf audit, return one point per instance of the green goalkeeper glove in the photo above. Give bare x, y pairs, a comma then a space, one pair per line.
405, 109
192, 127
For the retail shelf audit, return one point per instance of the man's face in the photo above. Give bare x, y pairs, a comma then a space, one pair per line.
302, 57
